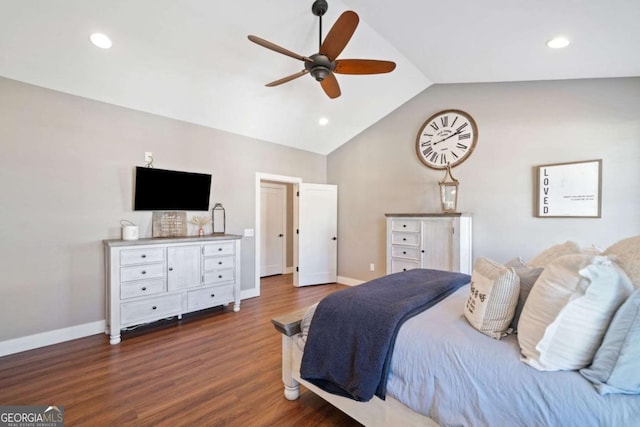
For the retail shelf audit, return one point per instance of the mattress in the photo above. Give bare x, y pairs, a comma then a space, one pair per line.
443, 368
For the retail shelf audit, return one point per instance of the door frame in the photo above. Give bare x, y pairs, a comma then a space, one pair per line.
280, 179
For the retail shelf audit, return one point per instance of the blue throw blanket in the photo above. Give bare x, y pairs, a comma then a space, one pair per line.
352, 332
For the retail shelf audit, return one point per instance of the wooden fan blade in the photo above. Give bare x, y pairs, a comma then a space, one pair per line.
288, 78
363, 66
339, 35
276, 48
331, 86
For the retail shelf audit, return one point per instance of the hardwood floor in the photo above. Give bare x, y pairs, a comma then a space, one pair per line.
215, 369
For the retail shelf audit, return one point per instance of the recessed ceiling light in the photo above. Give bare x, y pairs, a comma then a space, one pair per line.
323, 121
558, 42
100, 40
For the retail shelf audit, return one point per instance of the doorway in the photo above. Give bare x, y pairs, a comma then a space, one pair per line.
276, 226
311, 251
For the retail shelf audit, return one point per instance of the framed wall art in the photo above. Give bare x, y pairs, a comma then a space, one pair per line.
569, 190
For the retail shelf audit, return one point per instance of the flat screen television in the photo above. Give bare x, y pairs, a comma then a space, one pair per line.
167, 190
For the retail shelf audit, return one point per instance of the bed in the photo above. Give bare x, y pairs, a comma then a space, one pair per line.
443, 371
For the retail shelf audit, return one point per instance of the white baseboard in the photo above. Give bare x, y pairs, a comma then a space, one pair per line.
349, 281
248, 293
17, 345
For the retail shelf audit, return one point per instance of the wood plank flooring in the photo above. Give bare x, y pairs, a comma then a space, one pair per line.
219, 368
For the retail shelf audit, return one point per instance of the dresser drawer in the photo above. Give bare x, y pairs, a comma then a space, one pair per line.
141, 256
215, 263
150, 309
141, 272
210, 297
411, 239
403, 265
405, 225
142, 288
218, 276
405, 252
222, 248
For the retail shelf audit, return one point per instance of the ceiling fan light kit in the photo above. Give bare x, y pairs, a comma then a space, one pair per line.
324, 65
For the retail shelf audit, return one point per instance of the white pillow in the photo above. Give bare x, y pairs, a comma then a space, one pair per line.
553, 253
493, 297
568, 311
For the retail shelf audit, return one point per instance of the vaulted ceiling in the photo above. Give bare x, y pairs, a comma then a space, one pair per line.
191, 59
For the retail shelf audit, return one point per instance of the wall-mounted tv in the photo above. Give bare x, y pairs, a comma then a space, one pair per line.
167, 190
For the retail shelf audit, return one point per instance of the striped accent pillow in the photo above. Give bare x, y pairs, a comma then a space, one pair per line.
493, 297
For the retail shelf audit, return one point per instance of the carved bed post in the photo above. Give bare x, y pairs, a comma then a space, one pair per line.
291, 386
289, 326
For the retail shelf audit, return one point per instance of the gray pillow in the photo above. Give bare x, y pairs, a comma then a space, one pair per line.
616, 364
528, 276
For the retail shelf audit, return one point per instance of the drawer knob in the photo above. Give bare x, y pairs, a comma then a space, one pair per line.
154, 307
170, 268
404, 239
219, 262
144, 288
144, 272
219, 276
404, 252
213, 295
219, 249
404, 225
404, 269
422, 251
143, 256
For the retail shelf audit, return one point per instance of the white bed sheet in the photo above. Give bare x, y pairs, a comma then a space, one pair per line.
445, 369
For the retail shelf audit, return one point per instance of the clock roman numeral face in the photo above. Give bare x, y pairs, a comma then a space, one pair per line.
447, 137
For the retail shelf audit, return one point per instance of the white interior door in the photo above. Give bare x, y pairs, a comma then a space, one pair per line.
273, 206
317, 234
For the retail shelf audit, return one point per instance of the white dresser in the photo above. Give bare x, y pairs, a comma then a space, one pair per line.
151, 279
436, 241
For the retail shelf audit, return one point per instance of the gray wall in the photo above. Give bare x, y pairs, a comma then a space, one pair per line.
66, 168
66, 181
521, 125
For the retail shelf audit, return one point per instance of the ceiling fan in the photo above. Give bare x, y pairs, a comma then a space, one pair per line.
324, 64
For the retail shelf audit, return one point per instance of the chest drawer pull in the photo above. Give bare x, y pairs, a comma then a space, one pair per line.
219, 262
219, 276
144, 272
170, 268
144, 288
213, 295
143, 255
154, 307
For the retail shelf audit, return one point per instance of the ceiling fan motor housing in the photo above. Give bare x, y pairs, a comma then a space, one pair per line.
321, 66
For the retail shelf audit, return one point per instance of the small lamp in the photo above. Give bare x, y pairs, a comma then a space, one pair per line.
448, 192
218, 216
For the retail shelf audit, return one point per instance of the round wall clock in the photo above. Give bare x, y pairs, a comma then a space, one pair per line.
447, 137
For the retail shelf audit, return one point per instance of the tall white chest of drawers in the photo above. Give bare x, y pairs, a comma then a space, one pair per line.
152, 279
437, 241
